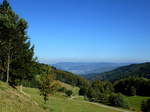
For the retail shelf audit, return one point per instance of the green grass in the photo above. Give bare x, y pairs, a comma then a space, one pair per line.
12, 100
134, 102
65, 104
75, 90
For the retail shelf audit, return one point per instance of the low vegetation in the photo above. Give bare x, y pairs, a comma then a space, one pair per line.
61, 103
12, 100
30, 101
134, 102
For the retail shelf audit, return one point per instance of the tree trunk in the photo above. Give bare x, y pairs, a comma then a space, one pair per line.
8, 66
21, 88
2, 77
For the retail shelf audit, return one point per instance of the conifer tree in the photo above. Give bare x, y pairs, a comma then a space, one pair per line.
16, 52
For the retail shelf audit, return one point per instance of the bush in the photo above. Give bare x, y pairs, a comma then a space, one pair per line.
69, 93
117, 100
62, 89
92, 96
103, 98
83, 91
145, 106
133, 91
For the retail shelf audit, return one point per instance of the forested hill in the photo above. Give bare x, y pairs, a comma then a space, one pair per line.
63, 76
134, 70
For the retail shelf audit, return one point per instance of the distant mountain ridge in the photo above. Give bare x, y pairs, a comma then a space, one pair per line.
84, 68
133, 70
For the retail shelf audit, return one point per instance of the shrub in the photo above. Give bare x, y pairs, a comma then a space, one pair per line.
117, 100
83, 91
133, 91
145, 106
69, 92
103, 98
92, 96
62, 89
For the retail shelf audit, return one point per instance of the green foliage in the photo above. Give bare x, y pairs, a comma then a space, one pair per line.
62, 89
117, 100
16, 52
47, 86
63, 76
70, 78
134, 70
83, 91
133, 86
133, 91
145, 106
102, 90
91, 94
98, 91
103, 98
69, 92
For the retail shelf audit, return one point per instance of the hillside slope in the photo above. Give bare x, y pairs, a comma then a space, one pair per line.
60, 75
134, 70
61, 103
11, 100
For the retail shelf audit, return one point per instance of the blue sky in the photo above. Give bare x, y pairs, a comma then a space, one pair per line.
88, 30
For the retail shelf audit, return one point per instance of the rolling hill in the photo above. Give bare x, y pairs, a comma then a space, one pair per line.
133, 70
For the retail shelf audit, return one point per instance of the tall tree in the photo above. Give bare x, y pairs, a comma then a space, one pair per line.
16, 52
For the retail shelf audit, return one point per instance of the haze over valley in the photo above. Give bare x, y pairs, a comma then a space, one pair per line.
86, 68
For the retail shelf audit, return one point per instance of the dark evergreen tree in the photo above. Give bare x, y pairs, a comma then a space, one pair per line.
83, 91
16, 53
133, 86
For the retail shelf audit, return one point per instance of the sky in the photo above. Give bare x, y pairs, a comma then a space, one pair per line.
87, 30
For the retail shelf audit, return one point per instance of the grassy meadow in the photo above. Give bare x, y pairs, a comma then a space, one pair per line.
12, 100
61, 103
134, 102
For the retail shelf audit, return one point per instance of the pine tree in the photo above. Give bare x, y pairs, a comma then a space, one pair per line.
16, 53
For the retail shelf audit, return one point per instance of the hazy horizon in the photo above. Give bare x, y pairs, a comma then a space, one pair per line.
54, 61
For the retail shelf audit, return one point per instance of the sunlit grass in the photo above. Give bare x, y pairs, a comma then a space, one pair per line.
134, 102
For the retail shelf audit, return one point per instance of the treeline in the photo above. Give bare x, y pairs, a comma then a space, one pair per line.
63, 76
16, 52
133, 86
134, 70
103, 92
